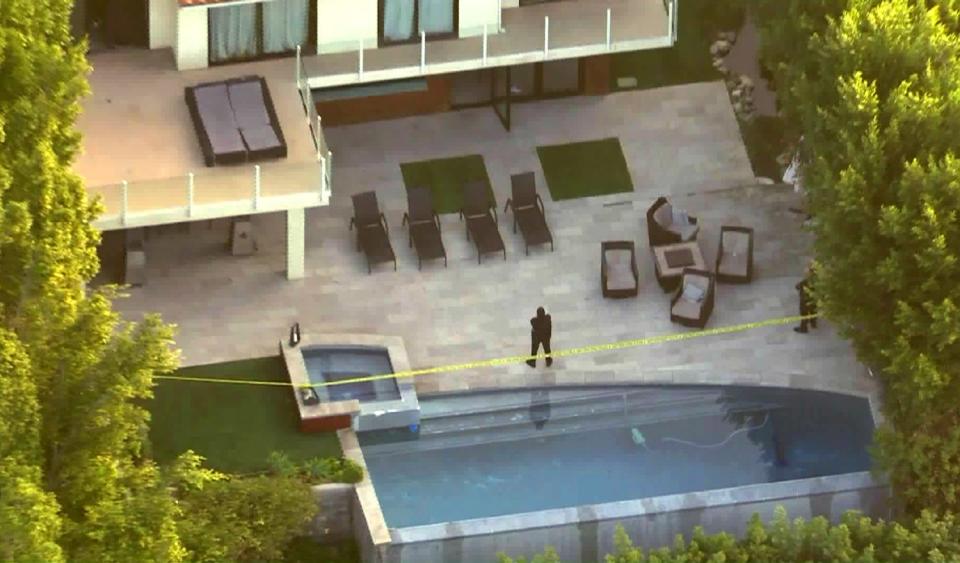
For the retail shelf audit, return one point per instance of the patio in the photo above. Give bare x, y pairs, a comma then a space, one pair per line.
681, 142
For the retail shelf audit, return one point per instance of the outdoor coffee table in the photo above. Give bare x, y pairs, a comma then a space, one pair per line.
671, 259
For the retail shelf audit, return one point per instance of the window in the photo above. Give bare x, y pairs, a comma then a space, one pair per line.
401, 21
250, 31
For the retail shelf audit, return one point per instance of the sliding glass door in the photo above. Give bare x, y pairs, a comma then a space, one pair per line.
401, 21
249, 31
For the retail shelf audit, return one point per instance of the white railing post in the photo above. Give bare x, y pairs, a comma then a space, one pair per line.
256, 187
423, 51
298, 66
360, 62
323, 175
609, 44
317, 136
484, 44
546, 35
190, 194
330, 172
124, 202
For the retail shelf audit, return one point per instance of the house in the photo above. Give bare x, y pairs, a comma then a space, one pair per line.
325, 62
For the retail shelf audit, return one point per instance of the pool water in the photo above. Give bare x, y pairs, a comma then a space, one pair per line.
752, 436
328, 364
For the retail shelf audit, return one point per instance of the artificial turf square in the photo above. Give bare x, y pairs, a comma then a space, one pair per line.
445, 178
585, 169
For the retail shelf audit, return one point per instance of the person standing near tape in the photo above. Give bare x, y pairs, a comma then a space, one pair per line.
540, 333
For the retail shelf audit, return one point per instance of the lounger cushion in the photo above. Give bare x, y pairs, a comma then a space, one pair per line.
619, 270
664, 215
213, 105
260, 138
248, 104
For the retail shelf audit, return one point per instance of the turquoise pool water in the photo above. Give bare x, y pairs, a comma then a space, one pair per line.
519, 453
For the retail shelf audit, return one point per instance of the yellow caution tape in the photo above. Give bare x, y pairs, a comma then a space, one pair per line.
514, 359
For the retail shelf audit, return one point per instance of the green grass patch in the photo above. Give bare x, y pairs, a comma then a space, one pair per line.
234, 426
445, 178
689, 60
765, 139
585, 169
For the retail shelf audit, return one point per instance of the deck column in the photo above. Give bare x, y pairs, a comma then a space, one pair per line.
296, 241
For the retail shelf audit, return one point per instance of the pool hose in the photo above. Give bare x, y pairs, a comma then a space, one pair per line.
639, 439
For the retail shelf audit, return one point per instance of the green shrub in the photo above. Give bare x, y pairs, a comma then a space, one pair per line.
280, 465
316, 470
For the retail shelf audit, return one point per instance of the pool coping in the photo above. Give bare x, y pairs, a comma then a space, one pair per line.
745, 494
373, 522
297, 370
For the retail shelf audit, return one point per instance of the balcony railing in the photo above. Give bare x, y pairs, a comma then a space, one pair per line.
572, 31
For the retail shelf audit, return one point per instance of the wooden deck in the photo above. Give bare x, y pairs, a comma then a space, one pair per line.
136, 128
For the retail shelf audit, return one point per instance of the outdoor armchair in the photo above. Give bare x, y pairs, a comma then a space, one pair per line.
668, 225
423, 225
693, 303
735, 255
372, 237
619, 275
528, 211
481, 223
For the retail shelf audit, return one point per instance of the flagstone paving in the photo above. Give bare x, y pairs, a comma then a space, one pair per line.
682, 142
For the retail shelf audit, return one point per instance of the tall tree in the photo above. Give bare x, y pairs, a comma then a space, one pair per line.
877, 99
73, 470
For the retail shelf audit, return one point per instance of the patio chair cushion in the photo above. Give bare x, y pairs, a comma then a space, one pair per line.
686, 309
679, 218
686, 232
664, 215
619, 269
693, 292
735, 259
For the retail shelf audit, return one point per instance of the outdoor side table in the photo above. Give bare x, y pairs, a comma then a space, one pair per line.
671, 259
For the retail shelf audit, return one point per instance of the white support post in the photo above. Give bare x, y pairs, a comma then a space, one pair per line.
360, 62
296, 243
484, 44
423, 52
190, 194
125, 202
609, 43
256, 187
319, 135
546, 35
298, 66
323, 176
330, 172
499, 16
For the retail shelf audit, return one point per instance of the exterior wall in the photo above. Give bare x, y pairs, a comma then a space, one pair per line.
585, 534
596, 75
340, 26
334, 522
372, 108
192, 44
474, 14
163, 23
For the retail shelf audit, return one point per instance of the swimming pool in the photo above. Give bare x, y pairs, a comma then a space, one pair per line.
498, 453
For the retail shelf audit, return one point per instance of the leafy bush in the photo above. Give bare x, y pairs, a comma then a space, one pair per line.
316, 470
856, 538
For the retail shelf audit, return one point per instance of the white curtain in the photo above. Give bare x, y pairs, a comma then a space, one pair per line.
436, 16
398, 19
233, 32
285, 25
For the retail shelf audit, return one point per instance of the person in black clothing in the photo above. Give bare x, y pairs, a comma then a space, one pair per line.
807, 305
540, 334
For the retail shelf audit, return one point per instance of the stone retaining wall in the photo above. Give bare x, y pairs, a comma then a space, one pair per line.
334, 523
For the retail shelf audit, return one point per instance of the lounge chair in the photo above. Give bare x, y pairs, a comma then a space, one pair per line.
528, 211
735, 255
481, 224
668, 225
693, 302
619, 275
372, 237
424, 226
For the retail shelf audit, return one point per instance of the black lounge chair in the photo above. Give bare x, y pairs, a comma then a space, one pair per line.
424, 226
619, 275
662, 229
735, 255
481, 224
528, 211
693, 303
372, 237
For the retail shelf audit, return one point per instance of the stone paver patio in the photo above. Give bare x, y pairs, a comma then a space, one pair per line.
680, 141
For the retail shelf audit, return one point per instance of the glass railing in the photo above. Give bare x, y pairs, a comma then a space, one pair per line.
530, 34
